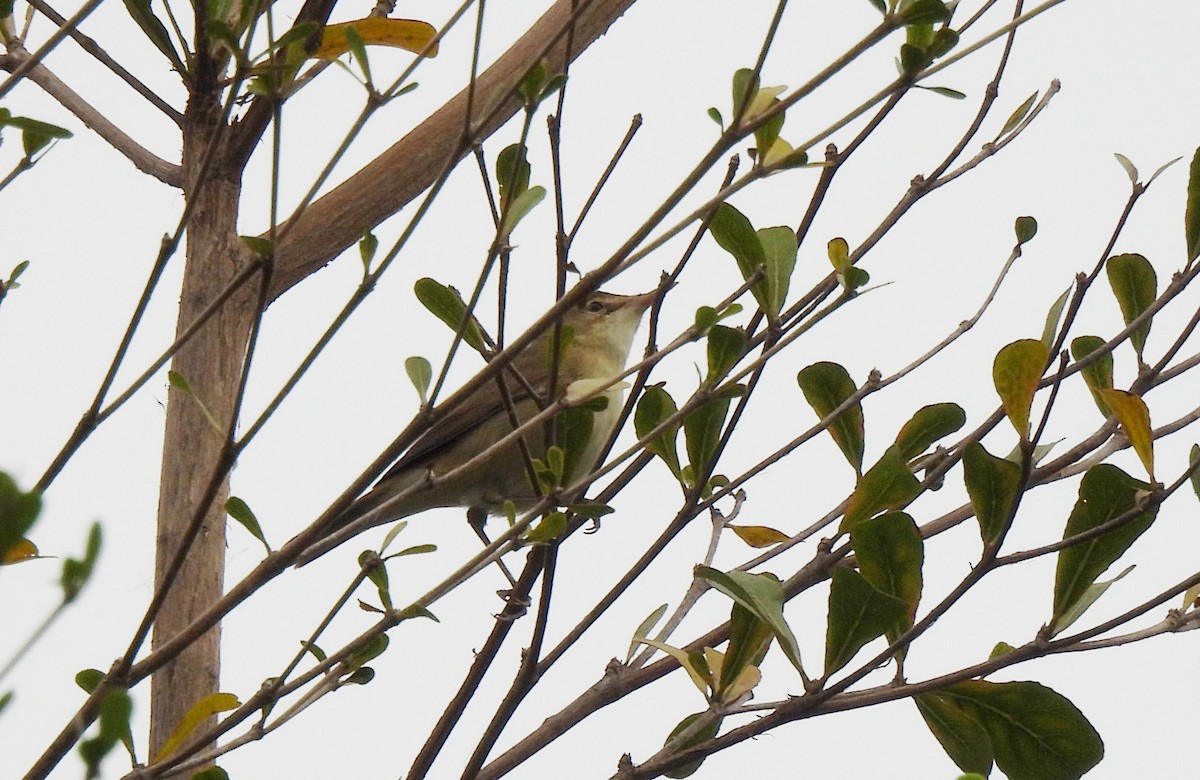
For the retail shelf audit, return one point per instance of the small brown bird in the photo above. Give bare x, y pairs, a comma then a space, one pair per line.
596, 339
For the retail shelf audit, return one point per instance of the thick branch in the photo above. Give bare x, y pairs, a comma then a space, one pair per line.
397, 176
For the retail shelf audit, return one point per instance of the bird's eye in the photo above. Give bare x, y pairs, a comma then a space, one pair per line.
595, 307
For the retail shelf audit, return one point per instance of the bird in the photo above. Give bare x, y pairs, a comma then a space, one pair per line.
594, 344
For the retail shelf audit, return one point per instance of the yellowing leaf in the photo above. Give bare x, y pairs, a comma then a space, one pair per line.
22, 550
758, 535
201, 711
407, 34
1134, 417
1016, 372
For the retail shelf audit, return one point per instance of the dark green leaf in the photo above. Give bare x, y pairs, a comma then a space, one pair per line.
448, 306
702, 433
925, 12
374, 648
853, 278
1135, 286
1098, 374
762, 594
512, 173
1191, 214
943, 41
1036, 734
154, 30
889, 484
964, 738
240, 511
1105, 493
367, 246
550, 528
77, 572
18, 511
655, 406
913, 58
1026, 229
929, 424
1193, 456
706, 317
734, 233
948, 92
259, 245
768, 132
749, 640
993, 485
212, 773
890, 554
572, 432
826, 386
858, 613
725, 348
709, 729
715, 115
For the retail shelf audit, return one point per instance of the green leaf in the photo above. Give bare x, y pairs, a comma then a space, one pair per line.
1135, 286
512, 172
853, 278
550, 528
745, 87
1026, 229
212, 773
1017, 116
112, 729
655, 406
993, 485
749, 640
710, 729
18, 511
154, 29
448, 306
643, 629
763, 596
240, 511
1099, 374
573, 432
1035, 733
929, 424
702, 433
521, 206
826, 386
889, 484
839, 253
943, 41
725, 348
1089, 597
1016, 372
367, 246
779, 251
1193, 456
1105, 493
964, 738
890, 554
420, 373
947, 92
734, 233
374, 648
1191, 214
715, 115
1053, 317
858, 614
924, 12
77, 572
1133, 415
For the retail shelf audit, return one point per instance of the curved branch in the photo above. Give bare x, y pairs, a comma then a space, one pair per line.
398, 175
142, 158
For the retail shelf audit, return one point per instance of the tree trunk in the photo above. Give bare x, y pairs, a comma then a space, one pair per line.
211, 362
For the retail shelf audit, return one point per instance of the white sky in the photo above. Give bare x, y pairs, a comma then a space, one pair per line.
90, 224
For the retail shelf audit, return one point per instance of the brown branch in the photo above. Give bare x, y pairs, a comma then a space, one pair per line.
18, 59
398, 175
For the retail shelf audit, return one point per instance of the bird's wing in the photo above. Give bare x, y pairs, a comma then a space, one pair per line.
469, 414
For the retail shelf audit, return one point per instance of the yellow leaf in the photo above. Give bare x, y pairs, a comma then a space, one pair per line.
201, 711
1016, 372
407, 34
23, 550
1134, 417
759, 535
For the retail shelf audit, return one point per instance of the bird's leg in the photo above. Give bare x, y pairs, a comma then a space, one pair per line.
476, 518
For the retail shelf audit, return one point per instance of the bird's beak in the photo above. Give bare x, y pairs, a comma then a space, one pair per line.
640, 302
